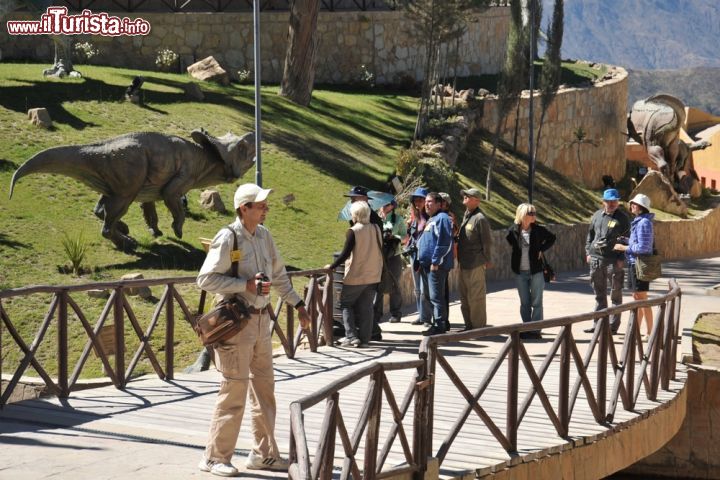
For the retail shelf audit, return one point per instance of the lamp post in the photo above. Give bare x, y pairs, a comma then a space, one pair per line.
256, 62
531, 149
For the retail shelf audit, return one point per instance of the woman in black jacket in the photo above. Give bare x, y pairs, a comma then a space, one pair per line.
529, 240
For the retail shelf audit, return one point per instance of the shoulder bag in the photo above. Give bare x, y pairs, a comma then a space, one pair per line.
548, 270
648, 267
227, 318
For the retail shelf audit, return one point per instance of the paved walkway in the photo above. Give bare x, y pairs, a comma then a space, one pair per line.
30, 448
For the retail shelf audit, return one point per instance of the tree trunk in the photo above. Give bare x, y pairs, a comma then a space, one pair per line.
299, 72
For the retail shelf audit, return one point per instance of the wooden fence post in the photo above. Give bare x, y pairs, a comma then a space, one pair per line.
62, 337
170, 332
119, 320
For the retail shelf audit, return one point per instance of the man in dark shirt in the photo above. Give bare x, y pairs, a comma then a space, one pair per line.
474, 247
606, 226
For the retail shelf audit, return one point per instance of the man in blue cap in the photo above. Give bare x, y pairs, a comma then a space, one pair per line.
606, 226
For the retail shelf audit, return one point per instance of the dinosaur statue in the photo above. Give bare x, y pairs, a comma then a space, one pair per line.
655, 123
145, 167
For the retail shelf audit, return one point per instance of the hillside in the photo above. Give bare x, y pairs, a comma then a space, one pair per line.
643, 34
697, 87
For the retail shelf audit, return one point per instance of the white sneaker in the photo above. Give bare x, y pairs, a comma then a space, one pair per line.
255, 462
217, 468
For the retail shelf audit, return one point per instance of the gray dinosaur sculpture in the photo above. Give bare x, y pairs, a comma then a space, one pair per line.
145, 167
655, 123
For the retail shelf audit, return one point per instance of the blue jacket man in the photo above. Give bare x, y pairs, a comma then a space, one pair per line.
435, 256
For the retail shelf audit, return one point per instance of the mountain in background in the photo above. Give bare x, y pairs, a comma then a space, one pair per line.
643, 34
667, 45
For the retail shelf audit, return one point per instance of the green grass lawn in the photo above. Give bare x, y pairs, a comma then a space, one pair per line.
316, 153
346, 137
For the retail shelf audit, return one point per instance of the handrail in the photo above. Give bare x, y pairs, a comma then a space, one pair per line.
629, 374
318, 299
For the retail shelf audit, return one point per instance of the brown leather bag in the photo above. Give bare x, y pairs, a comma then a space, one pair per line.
222, 322
227, 318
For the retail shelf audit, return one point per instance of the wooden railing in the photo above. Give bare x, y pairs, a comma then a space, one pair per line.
318, 298
368, 423
639, 365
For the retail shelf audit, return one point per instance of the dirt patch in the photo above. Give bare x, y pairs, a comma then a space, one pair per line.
706, 339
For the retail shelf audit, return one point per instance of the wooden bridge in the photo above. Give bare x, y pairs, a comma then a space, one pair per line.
477, 403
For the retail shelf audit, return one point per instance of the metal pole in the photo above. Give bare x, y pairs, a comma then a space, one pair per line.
258, 131
531, 150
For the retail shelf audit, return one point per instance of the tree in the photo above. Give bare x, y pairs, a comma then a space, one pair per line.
511, 81
437, 23
299, 72
552, 66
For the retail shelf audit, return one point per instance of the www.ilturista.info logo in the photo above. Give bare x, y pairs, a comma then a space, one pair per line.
56, 21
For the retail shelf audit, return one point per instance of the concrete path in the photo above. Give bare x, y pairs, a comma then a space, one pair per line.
33, 450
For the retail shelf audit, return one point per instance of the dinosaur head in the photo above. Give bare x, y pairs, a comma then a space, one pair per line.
237, 153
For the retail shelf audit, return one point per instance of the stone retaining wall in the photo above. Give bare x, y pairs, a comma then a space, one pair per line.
347, 40
600, 109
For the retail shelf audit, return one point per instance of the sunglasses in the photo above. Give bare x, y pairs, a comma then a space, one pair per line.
531, 214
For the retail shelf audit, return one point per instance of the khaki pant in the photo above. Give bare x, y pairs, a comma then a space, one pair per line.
472, 296
244, 360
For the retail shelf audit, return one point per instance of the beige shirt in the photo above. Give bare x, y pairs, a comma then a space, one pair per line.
255, 253
364, 266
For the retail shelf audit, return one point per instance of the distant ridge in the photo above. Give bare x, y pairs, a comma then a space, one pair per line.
696, 87
643, 34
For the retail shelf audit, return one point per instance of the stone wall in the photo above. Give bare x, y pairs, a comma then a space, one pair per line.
598, 109
381, 41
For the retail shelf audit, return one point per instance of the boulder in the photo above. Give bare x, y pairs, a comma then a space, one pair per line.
662, 195
142, 292
211, 200
40, 117
98, 293
209, 70
193, 92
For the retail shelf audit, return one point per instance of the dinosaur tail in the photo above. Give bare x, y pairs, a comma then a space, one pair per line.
61, 160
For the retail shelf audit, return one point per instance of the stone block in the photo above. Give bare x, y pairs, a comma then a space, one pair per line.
208, 69
40, 117
211, 200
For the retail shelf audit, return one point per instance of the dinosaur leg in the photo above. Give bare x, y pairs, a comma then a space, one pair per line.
151, 218
172, 196
99, 212
115, 208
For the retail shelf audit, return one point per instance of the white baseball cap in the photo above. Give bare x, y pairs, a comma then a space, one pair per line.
249, 192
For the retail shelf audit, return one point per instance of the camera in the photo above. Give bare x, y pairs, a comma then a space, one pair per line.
260, 278
409, 250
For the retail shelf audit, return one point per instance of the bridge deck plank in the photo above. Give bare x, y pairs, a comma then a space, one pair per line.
178, 412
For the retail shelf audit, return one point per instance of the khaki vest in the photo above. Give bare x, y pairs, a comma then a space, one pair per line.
364, 266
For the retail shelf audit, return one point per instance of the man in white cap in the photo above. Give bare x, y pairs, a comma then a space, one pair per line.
246, 359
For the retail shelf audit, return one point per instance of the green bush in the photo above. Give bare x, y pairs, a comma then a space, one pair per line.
75, 249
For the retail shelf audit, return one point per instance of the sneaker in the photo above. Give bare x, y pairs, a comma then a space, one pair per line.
433, 330
416, 322
590, 330
363, 345
349, 342
255, 462
217, 468
394, 319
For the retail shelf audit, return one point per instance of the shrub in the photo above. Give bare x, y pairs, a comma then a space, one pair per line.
85, 51
75, 249
428, 170
166, 60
